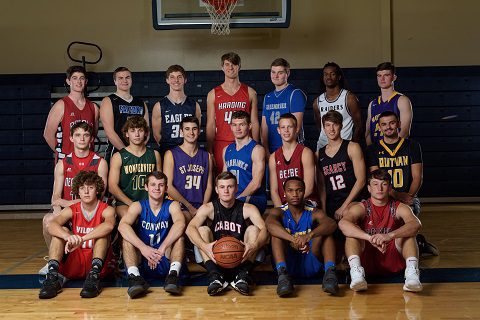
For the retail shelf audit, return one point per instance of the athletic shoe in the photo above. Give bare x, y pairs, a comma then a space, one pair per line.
217, 284
241, 283
171, 283
358, 279
412, 280
330, 281
425, 247
50, 287
91, 286
43, 271
285, 285
136, 286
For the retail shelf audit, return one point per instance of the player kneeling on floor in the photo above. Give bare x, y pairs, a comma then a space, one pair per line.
89, 240
157, 245
380, 235
301, 235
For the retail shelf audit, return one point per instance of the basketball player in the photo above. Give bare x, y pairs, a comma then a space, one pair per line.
117, 108
291, 159
228, 217
130, 166
222, 101
337, 97
245, 158
169, 112
71, 252
286, 98
389, 100
189, 170
68, 111
301, 235
381, 236
158, 240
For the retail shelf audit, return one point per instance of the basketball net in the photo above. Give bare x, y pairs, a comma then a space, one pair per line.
220, 12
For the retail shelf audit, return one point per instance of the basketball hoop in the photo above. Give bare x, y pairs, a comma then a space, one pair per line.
220, 12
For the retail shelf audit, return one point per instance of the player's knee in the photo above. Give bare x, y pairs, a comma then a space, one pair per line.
205, 232
46, 220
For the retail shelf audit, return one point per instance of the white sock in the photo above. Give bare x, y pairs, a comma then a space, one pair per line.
133, 270
354, 261
175, 266
412, 262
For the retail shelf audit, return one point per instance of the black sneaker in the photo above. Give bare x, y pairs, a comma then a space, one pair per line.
91, 286
241, 283
217, 284
50, 287
330, 281
425, 247
285, 285
136, 286
171, 283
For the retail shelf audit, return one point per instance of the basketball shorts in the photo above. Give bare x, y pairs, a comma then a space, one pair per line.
302, 265
160, 271
258, 201
78, 263
381, 264
218, 146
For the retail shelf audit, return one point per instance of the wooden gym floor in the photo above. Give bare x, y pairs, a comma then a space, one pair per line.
451, 284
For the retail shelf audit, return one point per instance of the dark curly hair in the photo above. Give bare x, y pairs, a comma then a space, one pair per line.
89, 178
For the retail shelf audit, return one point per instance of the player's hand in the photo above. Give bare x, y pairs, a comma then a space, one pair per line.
403, 197
151, 254
302, 240
378, 243
208, 250
250, 249
72, 242
339, 213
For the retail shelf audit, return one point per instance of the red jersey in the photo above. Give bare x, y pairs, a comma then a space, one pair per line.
72, 165
72, 115
81, 226
225, 104
380, 219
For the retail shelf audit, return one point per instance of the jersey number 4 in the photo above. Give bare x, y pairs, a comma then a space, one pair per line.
337, 182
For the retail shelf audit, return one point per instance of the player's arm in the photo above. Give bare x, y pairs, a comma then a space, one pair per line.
348, 225
368, 138
252, 94
125, 227
325, 225
316, 115
258, 170
177, 229
275, 227
321, 187
106, 115
59, 179
168, 169
204, 212
411, 224
54, 118
272, 168
157, 122
147, 118
198, 114
406, 116
417, 179
158, 160
55, 227
297, 107
208, 192
354, 110
103, 173
210, 127
104, 228
251, 212
224, 161
264, 130
114, 179
97, 117
308, 163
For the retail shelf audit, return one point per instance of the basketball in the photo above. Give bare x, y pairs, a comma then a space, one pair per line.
228, 252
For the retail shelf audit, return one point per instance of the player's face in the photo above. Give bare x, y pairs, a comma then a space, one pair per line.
279, 75
190, 132
287, 130
330, 77
379, 189
77, 82
176, 81
294, 192
156, 188
231, 70
123, 80
385, 79
226, 189
240, 128
389, 126
332, 130
81, 139
136, 136
87, 193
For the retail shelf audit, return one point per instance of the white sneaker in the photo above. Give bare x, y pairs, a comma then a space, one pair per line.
358, 279
412, 280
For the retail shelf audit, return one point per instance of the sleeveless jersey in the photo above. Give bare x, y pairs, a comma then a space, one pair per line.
190, 174
228, 221
380, 219
340, 105
172, 115
72, 115
288, 100
72, 165
81, 225
377, 107
153, 229
397, 158
338, 174
225, 104
239, 162
134, 171
300, 228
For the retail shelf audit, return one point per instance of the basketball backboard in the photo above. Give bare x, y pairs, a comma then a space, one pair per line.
192, 14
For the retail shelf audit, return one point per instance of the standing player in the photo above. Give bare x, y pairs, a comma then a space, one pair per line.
301, 235
130, 166
381, 236
222, 101
158, 240
245, 158
169, 112
223, 212
337, 98
117, 108
291, 159
89, 241
389, 100
189, 170
286, 98
68, 111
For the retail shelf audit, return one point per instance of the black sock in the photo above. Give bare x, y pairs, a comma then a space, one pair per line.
211, 266
246, 266
97, 265
53, 266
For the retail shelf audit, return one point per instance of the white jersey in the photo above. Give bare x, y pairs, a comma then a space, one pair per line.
340, 105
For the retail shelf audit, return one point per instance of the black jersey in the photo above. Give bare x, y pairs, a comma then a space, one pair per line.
228, 221
397, 158
172, 115
338, 174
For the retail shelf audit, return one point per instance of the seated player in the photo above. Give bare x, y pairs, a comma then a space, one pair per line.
157, 243
189, 170
223, 212
72, 251
381, 236
245, 158
301, 235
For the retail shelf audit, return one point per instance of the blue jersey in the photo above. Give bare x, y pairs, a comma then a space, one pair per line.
376, 108
304, 225
190, 174
151, 229
288, 100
